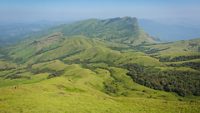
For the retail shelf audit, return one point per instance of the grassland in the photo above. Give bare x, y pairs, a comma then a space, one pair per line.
81, 90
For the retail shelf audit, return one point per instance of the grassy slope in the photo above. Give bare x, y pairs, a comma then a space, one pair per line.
187, 48
6, 65
179, 48
124, 30
77, 47
81, 90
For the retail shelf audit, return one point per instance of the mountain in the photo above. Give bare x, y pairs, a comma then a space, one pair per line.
124, 30
99, 66
117, 30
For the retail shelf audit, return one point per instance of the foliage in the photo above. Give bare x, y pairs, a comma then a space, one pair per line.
182, 82
178, 58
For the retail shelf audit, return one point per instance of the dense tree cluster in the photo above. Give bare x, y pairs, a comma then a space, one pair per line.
178, 58
15, 74
111, 87
55, 74
194, 65
52, 73
181, 82
147, 50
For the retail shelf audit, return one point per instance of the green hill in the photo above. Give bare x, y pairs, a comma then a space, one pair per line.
123, 30
100, 66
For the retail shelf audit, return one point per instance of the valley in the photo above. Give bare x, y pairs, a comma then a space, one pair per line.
100, 66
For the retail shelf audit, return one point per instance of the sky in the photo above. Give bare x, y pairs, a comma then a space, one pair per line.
71, 10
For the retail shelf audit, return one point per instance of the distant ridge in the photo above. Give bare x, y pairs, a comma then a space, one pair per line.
124, 30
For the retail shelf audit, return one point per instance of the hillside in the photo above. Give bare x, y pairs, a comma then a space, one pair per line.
108, 65
185, 52
123, 30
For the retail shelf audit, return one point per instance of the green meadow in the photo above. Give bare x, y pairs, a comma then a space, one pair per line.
80, 90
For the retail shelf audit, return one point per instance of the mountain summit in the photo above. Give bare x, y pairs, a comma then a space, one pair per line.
123, 30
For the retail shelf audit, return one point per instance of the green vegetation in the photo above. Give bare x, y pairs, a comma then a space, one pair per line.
183, 82
82, 90
100, 66
124, 30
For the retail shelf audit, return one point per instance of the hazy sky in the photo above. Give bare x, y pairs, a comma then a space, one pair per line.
69, 10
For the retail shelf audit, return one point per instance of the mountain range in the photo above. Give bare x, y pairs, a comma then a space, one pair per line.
94, 65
